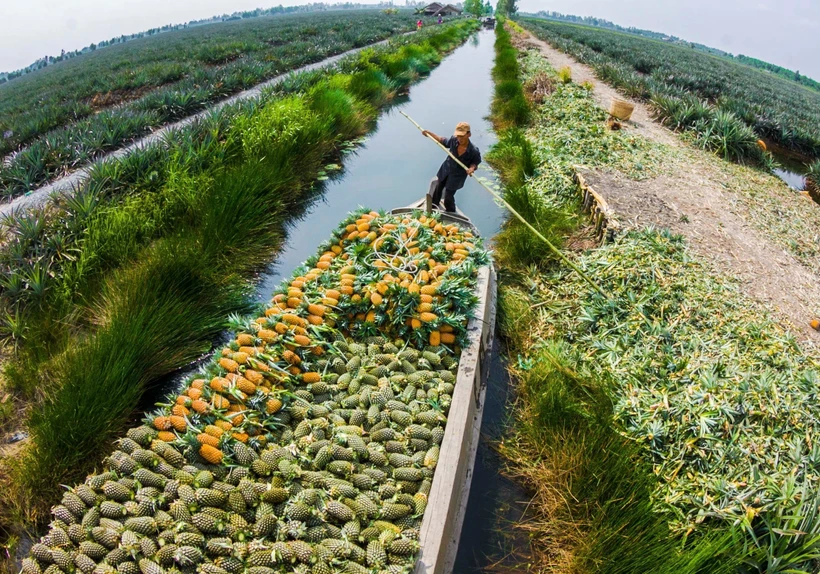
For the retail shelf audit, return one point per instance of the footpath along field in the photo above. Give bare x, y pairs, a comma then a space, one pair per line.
134, 276
725, 104
96, 103
669, 426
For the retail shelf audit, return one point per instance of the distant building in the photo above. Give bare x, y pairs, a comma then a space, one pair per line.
436, 9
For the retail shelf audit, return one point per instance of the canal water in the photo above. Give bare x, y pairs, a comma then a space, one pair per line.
394, 165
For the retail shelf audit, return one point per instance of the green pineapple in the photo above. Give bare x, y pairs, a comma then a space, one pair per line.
369, 533
315, 534
148, 547
208, 568
275, 495
321, 567
383, 435
355, 568
437, 435
281, 553
111, 509
188, 556
219, 547
147, 566
340, 549
236, 502
351, 529
93, 550
84, 564
41, 552
116, 491
128, 568
339, 511
165, 555
62, 513
30, 566
142, 435
207, 524
266, 526
392, 511
302, 551
142, 524
211, 497
341, 467
108, 537
190, 539
148, 478
408, 474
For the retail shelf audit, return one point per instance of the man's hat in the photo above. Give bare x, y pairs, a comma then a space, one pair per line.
462, 129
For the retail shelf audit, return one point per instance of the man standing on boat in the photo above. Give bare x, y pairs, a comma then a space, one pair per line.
451, 176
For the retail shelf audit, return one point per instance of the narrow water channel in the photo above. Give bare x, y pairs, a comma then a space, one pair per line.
394, 166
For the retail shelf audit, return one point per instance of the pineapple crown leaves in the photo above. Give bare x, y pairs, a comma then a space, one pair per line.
239, 323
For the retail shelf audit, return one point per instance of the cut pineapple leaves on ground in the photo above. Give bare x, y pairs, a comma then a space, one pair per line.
669, 427
312, 438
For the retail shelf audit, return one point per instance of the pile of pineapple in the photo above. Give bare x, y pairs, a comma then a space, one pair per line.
310, 442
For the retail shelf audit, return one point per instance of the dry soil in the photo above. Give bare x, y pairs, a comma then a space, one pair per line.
692, 198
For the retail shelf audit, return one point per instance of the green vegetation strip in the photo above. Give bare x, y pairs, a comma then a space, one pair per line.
142, 276
310, 443
161, 79
743, 102
667, 427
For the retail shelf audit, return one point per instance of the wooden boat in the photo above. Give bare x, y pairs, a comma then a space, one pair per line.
447, 502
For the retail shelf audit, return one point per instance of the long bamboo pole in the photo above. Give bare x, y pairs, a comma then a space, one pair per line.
498, 197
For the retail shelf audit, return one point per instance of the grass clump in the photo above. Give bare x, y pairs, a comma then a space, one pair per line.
510, 107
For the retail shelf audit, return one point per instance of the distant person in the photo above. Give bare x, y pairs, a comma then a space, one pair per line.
440, 19
451, 176
418, 26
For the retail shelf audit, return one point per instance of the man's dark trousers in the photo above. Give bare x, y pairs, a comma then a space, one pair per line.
439, 186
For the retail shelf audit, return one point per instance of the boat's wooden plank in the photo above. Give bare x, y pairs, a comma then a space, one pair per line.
441, 526
482, 376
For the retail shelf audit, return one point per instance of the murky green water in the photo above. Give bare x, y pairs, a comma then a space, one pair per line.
791, 171
394, 166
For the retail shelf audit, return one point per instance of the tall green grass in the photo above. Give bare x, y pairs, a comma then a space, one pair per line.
602, 488
160, 265
510, 107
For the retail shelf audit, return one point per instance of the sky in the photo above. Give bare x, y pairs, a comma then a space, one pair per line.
784, 32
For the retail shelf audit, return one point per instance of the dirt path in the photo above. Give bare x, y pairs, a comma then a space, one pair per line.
691, 199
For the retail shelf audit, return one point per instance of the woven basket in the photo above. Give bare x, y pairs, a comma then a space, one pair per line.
621, 109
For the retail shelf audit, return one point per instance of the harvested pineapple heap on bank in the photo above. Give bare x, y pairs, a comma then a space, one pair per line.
309, 444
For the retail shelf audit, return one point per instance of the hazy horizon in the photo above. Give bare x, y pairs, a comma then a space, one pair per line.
786, 33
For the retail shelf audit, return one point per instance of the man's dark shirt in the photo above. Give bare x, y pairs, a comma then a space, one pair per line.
455, 174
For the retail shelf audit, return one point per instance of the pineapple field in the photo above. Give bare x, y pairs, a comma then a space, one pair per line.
311, 440
726, 105
98, 102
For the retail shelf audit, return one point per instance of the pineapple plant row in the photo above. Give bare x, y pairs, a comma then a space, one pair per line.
310, 442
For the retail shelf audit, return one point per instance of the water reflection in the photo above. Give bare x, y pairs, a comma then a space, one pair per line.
393, 167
